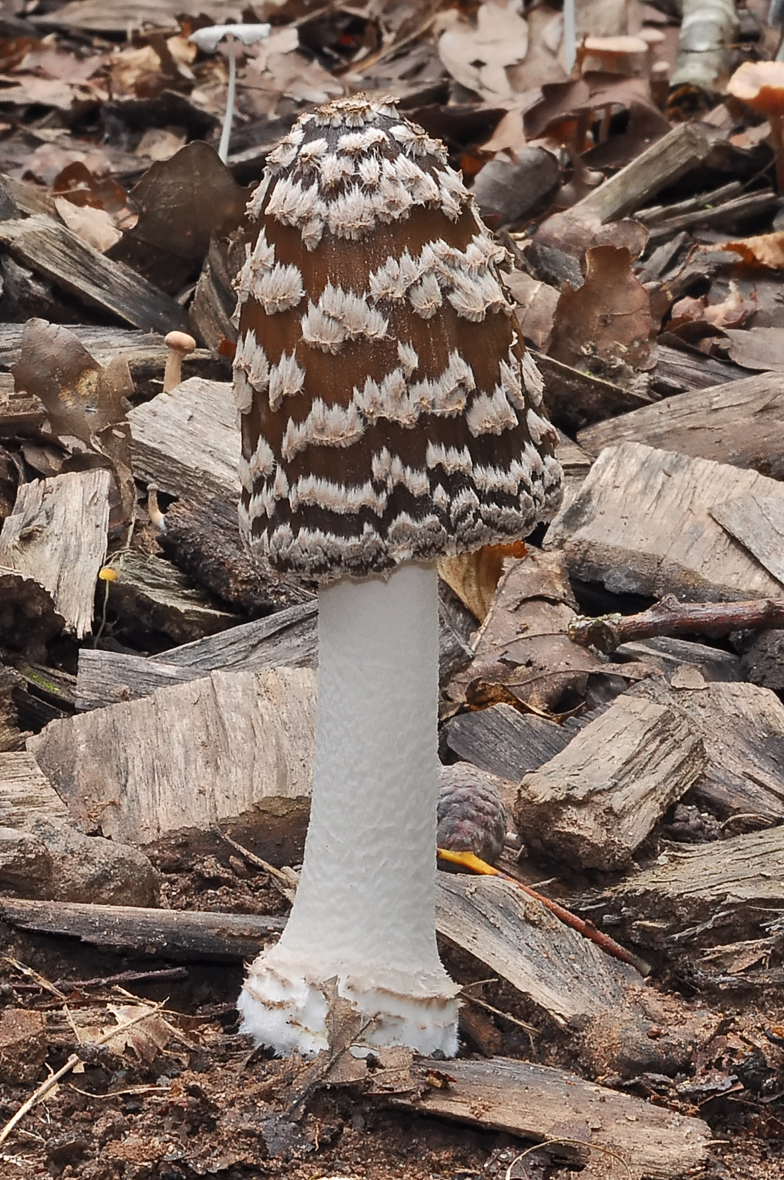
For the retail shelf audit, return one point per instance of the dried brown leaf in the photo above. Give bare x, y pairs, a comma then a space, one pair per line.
605, 325
474, 576
477, 57
764, 250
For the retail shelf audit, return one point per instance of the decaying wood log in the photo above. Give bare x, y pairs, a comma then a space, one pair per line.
505, 741
560, 972
152, 595
540, 1103
287, 639
758, 523
742, 729
28, 618
641, 523
661, 164
740, 422
575, 399
53, 250
708, 30
220, 748
188, 441
26, 793
169, 934
593, 804
699, 896
57, 534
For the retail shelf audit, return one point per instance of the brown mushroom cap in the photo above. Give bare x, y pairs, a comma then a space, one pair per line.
180, 341
390, 411
760, 84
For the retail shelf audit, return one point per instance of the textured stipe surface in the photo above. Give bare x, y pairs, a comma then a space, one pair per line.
471, 813
389, 409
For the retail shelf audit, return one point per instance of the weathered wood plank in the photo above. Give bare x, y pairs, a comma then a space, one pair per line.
758, 523
504, 741
151, 594
536, 1102
701, 896
188, 441
593, 804
641, 523
171, 934
57, 534
25, 792
740, 422
53, 250
566, 975
189, 756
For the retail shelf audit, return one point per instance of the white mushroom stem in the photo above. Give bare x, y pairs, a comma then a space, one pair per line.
364, 912
228, 118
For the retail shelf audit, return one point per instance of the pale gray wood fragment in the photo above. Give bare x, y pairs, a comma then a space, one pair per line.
57, 534
641, 523
669, 653
505, 741
49, 248
593, 804
26, 793
536, 1102
558, 970
188, 441
187, 757
152, 594
701, 896
758, 523
739, 422
172, 934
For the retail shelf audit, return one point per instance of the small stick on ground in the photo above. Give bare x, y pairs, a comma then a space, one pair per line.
469, 861
672, 617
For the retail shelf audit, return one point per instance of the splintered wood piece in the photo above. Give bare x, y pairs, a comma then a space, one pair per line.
742, 729
57, 534
594, 803
153, 594
758, 523
739, 422
177, 934
188, 441
287, 639
641, 523
535, 1102
25, 792
516, 936
189, 756
701, 896
53, 250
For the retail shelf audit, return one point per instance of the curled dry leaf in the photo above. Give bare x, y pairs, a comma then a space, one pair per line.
605, 326
730, 313
83, 402
147, 1037
764, 250
474, 576
477, 57
94, 226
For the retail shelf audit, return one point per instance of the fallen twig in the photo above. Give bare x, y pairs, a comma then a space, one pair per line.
672, 617
469, 861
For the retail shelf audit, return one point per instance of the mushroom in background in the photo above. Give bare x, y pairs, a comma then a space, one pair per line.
760, 84
390, 415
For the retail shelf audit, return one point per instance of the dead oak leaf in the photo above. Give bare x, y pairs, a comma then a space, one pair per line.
477, 57
607, 321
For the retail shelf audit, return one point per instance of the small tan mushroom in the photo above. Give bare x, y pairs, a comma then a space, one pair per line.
614, 53
179, 344
760, 84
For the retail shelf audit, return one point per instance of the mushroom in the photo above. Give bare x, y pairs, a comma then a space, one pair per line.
760, 84
390, 414
180, 345
615, 53
208, 38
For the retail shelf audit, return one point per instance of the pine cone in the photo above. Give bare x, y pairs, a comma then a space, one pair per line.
471, 812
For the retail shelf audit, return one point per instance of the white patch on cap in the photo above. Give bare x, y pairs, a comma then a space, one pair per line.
472, 296
490, 414
355, 142
280, 288
425, 297
451, 459
392, 280
539, 428
321, 331
353, 312
390, 469
311, 153
293, 204
452, 191
534, 383
253, 208
408, 357
369, 171
386, 399
327, 426
243, 391
286, 379
351, 214
335, 169
416, 142
497, 479
262, 461
313, 490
